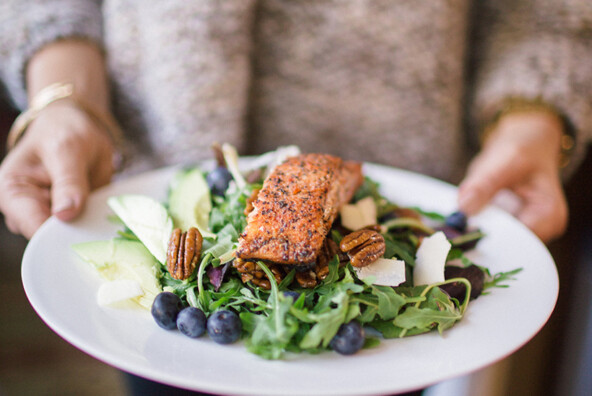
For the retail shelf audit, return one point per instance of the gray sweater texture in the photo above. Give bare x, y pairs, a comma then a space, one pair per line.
401, 82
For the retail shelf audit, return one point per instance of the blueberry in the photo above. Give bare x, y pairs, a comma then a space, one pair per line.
457, 220
165, 309
218, 180
349, 339
294, 295
191, 322
224, 327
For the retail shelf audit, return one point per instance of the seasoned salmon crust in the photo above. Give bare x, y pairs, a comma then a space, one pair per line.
296, 207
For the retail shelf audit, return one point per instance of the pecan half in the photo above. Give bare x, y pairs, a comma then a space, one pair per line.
363, 247
306, 279
250, 272
183, 252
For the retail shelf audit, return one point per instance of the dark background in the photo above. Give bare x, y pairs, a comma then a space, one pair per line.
558, 361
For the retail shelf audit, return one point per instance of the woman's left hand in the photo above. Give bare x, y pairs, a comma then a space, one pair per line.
521, 154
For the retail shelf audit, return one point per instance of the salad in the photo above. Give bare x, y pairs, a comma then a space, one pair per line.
422, 282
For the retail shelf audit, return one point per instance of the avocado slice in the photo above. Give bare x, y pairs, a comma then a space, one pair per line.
190, 201
147, 218
117, 259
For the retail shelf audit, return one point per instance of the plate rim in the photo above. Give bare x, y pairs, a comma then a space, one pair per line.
79, 342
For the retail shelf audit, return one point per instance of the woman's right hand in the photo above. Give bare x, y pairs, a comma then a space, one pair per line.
62, 156
522, 154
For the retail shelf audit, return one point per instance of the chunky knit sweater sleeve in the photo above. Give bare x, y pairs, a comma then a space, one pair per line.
28, 25
534, 50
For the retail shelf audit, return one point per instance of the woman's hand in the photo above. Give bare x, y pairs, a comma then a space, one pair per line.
61, 157
64, 153
522, 155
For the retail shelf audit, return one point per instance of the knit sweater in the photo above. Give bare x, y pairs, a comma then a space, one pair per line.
405, 83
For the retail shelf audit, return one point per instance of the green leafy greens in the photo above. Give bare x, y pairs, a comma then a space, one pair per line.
276, 322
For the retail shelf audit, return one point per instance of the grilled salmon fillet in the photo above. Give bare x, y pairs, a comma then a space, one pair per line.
296, 207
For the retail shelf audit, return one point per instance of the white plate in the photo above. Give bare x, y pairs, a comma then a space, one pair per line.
63, 289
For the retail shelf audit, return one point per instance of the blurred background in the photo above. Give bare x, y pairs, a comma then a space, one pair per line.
558, 361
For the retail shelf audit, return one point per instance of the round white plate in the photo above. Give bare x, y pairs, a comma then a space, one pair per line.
62, 289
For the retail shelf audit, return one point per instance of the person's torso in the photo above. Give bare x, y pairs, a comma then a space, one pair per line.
379, 81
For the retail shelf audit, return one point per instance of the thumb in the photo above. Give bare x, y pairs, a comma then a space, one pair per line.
488, 174
69, 184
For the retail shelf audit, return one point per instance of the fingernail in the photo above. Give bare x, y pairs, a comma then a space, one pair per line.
63, 206
508, 201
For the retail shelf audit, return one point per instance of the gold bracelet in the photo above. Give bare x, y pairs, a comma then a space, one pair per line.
53, 93
521, 105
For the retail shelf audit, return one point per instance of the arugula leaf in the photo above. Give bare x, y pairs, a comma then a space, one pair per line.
427, 318
179, 287
389, 302
458, 254
388, 329
435, 216
333, 275
230, 210
467, 238
400, 249
500, 277
272, 332
408, 222
327, 323
224, 245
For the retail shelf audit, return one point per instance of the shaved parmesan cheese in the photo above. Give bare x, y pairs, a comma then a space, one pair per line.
359, 215
430, 259
385, 272
117, 291
231, 157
